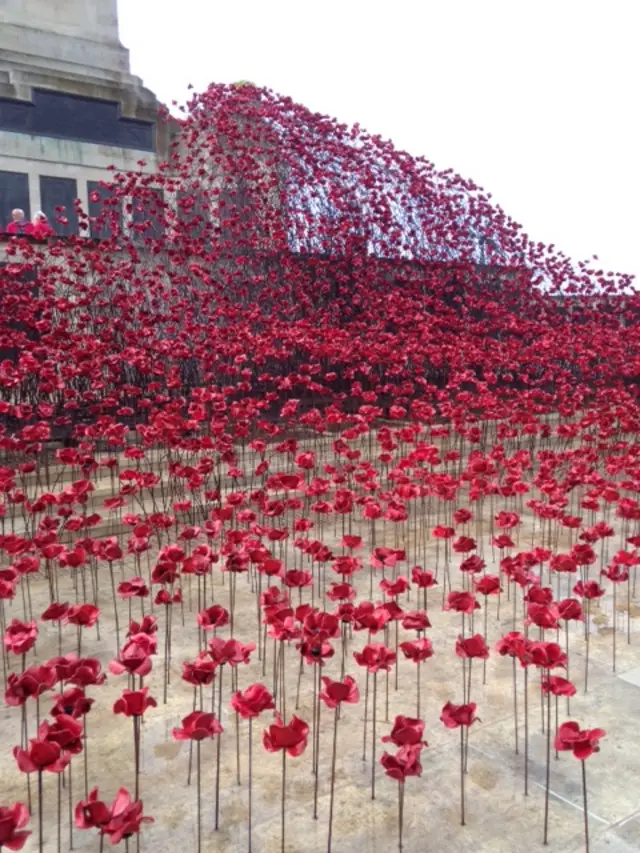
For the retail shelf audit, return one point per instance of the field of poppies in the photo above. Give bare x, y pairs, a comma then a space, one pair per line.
320, 511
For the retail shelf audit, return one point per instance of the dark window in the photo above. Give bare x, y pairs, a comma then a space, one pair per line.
66, 116
14, 192
148, 215
105, 206
56, 193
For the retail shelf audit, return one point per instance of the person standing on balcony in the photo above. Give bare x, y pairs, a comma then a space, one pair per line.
18, 224
40, 226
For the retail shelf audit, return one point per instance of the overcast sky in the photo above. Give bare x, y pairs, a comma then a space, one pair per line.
538, 101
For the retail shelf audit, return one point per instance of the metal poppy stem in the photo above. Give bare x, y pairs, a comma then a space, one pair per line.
284, 792
400, 813
366, 709
59, 812
250, 777
217, 823
526, 733
136, 753
515, 703
373, 738
333, 774
40, 811
584, 805
198, 796
462, 752
545, 839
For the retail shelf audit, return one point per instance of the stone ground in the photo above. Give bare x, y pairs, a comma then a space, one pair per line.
500, 818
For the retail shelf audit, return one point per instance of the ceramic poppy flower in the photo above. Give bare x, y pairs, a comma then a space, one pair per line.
405, 763
422, 578
406, 731
20, 637
197, 726
33, 682
85, 672
488, 585
83, 615
334, 693
73, 703
582, 742
462, 602
376, 657
133, 703
252, 701
92, 813
126, 817
417, 650
66, 731
134, 659
13, 820
41, 755
212, 617
230, 651
291, 737
55, 612
454, 716
416, 620
557, 686
472, 647
199, 672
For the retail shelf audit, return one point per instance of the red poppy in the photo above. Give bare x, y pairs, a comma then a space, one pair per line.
458, 715
570, 609
462, 602
133, 588
583, 743
230, 651
292, 737
416, 620
488, 585
31, 683
197, 726
66, 731
341, 592
511, 644
134, 659
393, 588
125, 817
472, 647
557, 686
133, 703
588, 590
253, 701
20, 637
148, 626
55, 612
201, 671
405, 763
546, 655
376, 657
91, 814
13, 819
87, 671
422, 578
84, 615
417, 650
72, 702
335, 692
543, 615
406, 731
212, 617
41, 755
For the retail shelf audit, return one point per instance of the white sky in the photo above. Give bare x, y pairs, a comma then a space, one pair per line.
537, 101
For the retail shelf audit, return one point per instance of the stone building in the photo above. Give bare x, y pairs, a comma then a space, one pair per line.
69, 108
